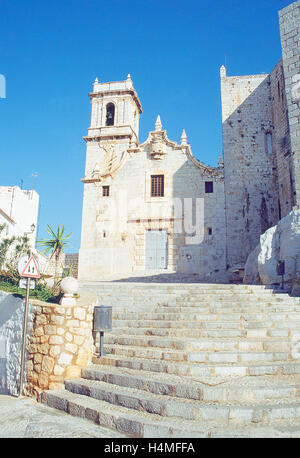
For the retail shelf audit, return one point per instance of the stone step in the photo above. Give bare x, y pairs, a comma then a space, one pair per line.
197, 316
180, 332
274, 430
188, 409
123, 285
197, 370
126, 421
191, 360
289, 312
236, 356
207, 333
123, 289
222, 298
177, 287
267, 344
235, 297
188, 299
208, 324
244, 389
145, 425
180, 324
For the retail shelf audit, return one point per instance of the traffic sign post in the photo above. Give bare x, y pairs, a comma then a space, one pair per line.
28, 268
23, 283
31, 269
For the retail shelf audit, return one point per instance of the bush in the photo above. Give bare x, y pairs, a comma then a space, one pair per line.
40, 292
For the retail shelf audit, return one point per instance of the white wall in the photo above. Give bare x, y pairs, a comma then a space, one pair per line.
11, 333
22, 207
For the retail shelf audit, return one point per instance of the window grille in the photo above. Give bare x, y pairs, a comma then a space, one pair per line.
157, 185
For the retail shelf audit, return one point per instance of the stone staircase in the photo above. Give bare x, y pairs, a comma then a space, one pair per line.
192, 360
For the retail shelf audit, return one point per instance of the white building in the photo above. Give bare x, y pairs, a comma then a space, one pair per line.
147, 206
19, 211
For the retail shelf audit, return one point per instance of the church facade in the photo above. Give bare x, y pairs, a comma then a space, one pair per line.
153, 206
149, 206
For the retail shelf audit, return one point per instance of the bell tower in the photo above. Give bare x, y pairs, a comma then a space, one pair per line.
115, 111
114, 128
112, 135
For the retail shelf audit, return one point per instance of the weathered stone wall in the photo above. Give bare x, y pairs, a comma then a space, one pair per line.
11, 333
261, 144
250, 183
71, 260
47, 264
281, 142
59, 346
280, 242
289, 20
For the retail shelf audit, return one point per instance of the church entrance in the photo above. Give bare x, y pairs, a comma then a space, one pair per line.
156, 250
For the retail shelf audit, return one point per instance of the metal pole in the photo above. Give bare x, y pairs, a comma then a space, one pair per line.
102, 352
24, 337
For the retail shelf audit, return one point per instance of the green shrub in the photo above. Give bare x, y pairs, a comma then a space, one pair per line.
40, 292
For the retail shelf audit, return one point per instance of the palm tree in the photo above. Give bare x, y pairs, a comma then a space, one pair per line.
56, 245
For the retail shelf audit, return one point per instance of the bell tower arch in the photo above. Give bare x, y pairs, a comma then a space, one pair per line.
115, 111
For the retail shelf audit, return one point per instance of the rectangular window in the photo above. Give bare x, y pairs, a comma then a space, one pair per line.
157, 185
105, 191
269, 143
209, 187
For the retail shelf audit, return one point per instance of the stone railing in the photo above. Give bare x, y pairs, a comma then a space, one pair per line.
59, 346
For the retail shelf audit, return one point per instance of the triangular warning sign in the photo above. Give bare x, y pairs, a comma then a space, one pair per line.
31, 269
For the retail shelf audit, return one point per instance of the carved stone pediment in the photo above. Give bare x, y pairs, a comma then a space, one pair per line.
157, 147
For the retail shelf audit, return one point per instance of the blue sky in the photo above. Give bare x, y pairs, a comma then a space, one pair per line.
51, 52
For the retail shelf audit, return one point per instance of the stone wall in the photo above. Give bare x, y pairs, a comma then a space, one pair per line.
279, 243
60, 345
250, 183
281, 142
47, 264
289, 20
71, 260
11, 333
261, 144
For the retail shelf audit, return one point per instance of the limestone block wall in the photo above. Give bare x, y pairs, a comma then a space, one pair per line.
281, 143
71, 260
60, 345
250, 182
289, 20
47, 264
